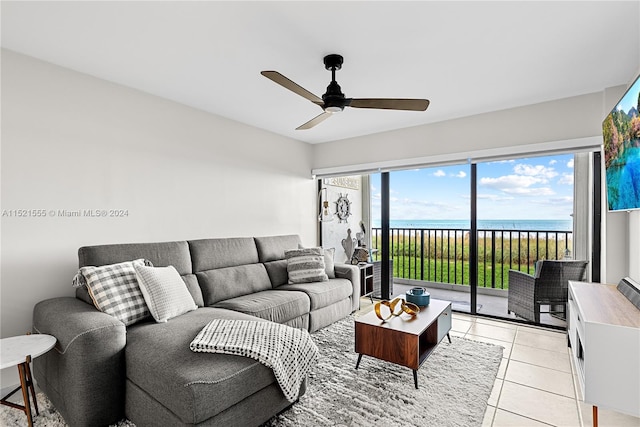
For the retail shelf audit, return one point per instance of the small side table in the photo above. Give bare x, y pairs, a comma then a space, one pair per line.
19, 351
366, 280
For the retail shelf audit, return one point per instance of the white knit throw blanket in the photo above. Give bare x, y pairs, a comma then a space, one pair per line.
288, 351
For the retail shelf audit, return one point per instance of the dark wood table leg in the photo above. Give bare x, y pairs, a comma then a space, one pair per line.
449, 336
358, 362
415, 377
595, 416
25, 390
30, 384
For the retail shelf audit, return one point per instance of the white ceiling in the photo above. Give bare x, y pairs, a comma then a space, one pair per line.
465, 57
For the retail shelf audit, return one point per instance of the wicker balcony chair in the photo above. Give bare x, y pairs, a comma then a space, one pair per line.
549, 286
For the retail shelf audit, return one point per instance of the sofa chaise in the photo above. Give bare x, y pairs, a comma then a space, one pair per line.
101, 370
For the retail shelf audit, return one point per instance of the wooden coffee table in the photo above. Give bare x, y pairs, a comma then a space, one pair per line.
404, 340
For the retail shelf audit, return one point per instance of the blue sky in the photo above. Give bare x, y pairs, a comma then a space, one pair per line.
532, 188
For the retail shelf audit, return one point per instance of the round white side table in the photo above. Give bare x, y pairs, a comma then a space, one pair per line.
19, 351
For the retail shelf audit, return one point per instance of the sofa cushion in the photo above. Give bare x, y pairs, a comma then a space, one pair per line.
277, 271
275, 305
114, 290
210, 254
194, 386
194, 289
271, 248
322, 294
305, 265
160, 254
231, 282
164, 292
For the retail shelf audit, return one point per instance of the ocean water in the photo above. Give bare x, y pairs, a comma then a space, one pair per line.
490, 224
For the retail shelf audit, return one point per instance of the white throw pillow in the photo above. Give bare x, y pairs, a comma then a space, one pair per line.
329, 264
164, 291
306, 265
114, 290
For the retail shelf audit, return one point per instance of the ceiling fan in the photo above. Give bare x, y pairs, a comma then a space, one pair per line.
334, 101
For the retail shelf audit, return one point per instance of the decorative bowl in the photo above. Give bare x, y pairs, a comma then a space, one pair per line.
418, 296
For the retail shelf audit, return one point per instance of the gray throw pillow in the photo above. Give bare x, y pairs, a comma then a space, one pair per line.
164, 291
305, 265
329, 263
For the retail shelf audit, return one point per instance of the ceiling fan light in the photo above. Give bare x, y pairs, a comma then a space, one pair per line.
333, 109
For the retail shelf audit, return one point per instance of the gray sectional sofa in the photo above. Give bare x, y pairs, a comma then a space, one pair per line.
101, 371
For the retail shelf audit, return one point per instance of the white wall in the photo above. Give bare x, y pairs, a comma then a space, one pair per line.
71, 141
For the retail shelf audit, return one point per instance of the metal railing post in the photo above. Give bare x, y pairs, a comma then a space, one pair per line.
493, 259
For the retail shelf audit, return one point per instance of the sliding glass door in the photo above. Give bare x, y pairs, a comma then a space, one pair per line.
429, 226
525, 214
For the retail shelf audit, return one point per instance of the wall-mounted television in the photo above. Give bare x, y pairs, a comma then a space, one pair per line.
621, 134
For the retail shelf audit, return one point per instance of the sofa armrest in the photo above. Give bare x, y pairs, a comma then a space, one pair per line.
84, 374
351, 272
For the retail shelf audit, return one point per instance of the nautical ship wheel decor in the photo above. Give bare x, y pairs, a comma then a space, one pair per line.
343, 208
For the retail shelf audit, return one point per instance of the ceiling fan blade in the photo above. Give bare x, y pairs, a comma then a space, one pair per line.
317, 119
293, 87
390, 104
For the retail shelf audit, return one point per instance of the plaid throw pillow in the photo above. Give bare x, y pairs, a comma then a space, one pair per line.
114, 290
305, 265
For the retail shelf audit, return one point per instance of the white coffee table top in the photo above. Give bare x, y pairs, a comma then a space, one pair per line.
14, 350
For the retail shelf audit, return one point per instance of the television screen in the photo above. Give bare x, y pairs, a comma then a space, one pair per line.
621, 133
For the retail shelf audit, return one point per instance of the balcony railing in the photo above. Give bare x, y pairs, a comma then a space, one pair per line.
442, 255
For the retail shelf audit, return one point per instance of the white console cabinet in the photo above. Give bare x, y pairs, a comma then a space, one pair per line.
604, 334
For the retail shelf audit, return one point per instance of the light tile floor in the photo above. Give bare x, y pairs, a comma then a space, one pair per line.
536, 384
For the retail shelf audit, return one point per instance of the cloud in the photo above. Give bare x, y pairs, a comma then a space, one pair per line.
566, 179
460, 174
536, 191
539, 171
507, 182
518, 184
570, 164
439, 173
553, 162
494, 197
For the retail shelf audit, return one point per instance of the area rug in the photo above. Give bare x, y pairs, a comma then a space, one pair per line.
455, 383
